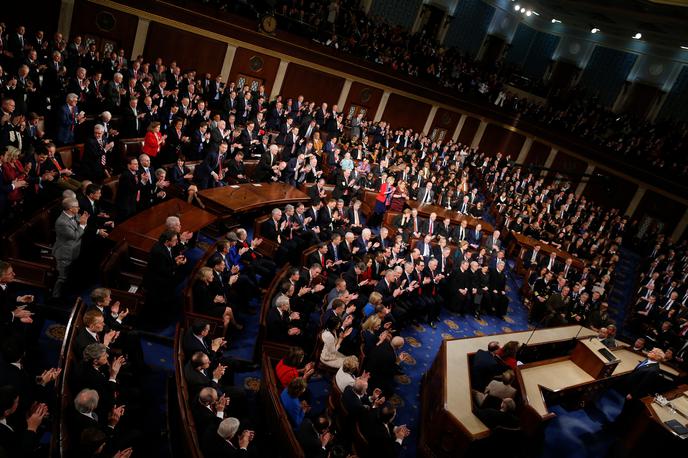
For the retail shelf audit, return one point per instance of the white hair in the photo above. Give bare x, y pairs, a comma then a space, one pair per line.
228, 428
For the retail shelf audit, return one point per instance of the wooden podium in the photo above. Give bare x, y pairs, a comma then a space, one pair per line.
594, 357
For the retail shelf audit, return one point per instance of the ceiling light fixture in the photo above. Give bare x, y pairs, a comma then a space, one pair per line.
684, 47
528, 13
523, 10
517, 7
638, 36
556, 21
594, 30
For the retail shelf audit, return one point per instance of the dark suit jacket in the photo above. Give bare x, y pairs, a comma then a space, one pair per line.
127, 191
309, 440
485, 367
17, 443
642, 381
91, 165
381, 440
160, 275
214, 446
277, 326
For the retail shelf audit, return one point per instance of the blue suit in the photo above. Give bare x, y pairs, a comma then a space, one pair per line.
66, 124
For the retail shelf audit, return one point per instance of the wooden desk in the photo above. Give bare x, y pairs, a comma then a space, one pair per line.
235, 199
448, 424
142, 230
528, 243
563, 374
455, 217
678, 410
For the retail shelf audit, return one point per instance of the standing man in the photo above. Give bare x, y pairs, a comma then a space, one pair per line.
69, 229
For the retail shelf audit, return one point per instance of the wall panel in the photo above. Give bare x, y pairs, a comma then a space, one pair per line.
402, 112
99, 21
610, 190
363, 96
313, 85
656, 206
537, 155
468, 130
445, 119
569, 165
498, 139
254, 64
189, 50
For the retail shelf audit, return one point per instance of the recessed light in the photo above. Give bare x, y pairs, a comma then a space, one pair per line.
517, 7
523, 10
684, 47
556, 21
638, 36
528, 13
594, 30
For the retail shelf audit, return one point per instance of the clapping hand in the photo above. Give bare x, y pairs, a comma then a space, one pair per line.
36, 415
216, 344
126, 453
115, 415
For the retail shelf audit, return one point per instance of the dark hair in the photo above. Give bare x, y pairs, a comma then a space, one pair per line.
198, 326
215, 259
166, 236
8, 394
295, 357
91, 440
92, 189
12, 350
333, 322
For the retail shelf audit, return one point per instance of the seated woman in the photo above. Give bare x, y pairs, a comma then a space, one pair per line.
508, 354
180, 174
293, 406
374, 300
289, 367
204, 302
332, 337
346, 375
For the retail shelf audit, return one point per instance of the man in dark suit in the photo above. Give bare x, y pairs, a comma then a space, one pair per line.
131, 125
16, 440
314, 436
267, 165
641, 382
486, 365
129, 190
160, 278
382, 364
94, 163
384, 438
219, 442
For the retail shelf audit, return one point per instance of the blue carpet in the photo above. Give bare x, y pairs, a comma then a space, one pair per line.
624, 288
579, 433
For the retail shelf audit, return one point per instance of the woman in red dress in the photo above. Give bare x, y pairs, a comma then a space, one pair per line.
13, 169
153, 141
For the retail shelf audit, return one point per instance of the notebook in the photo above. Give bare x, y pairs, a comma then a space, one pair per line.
677, 427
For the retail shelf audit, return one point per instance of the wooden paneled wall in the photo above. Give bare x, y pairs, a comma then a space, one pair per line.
255, 64
470, 126
445, 119
189, 50
314, 85
657, 206
363, 96
538, 154
404, 112
87, 17
498, 139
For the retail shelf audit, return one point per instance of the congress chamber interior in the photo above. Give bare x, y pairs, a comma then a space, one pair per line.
343, 228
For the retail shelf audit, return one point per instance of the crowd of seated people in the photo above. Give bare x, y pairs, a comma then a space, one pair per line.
658, 314
344, 26
363, 286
